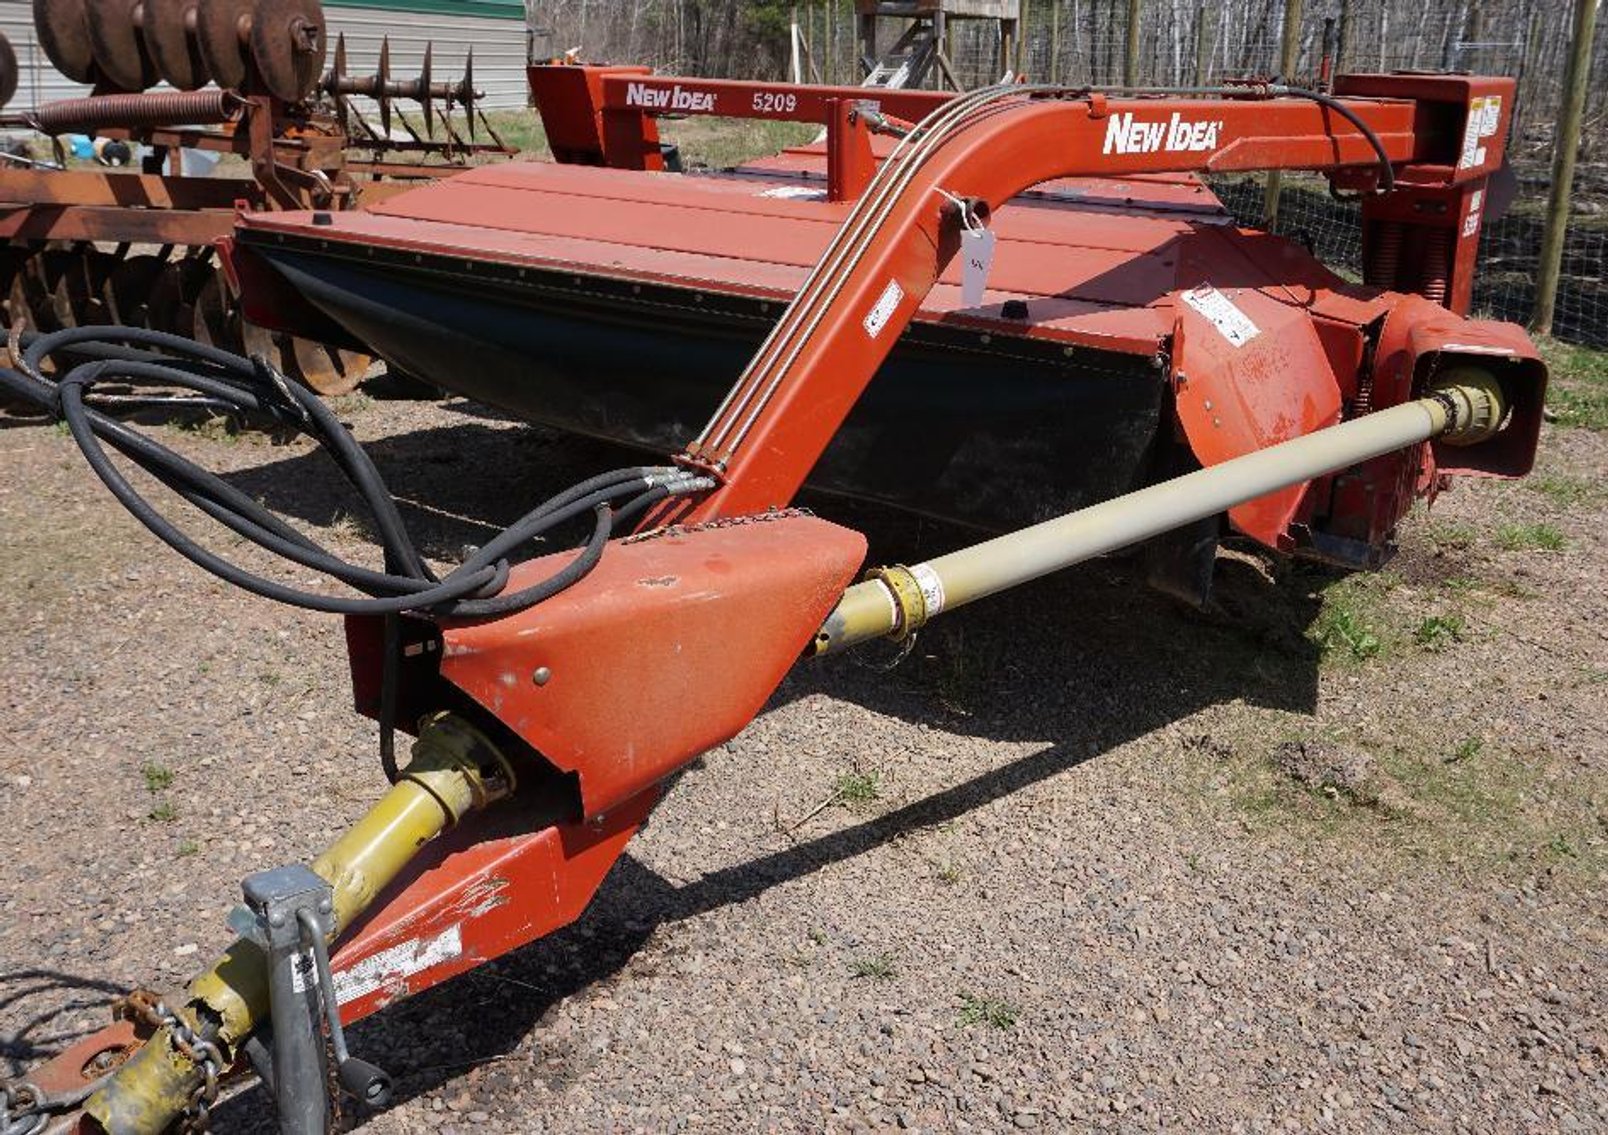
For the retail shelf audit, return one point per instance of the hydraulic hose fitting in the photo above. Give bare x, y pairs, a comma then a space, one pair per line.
455, 770
1474, 401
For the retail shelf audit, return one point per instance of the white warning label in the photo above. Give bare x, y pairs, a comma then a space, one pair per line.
400, 961
1221, 312
932, 588
877, 318
1483, 115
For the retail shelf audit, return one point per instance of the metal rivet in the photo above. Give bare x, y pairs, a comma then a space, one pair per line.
541, 675
276, 919
1207, 404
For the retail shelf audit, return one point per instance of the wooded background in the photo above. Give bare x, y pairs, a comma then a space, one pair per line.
1083, 41
1191, 42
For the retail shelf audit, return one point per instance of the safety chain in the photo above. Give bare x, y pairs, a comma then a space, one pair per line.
719, 522
149, 1009
26, 1108
23, 1109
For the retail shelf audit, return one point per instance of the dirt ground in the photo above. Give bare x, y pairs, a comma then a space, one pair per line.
1334, 859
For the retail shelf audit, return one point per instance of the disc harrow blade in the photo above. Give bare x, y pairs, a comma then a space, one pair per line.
223, 29
8, 71
63, 30
171, 36
289, 46
116, 41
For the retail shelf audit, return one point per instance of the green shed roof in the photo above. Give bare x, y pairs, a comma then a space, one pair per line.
492, 9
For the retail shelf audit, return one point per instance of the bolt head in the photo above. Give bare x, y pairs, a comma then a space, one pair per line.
277, 918
541, 675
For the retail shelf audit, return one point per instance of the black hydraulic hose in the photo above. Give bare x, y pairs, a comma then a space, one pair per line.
475, 589
1387, 176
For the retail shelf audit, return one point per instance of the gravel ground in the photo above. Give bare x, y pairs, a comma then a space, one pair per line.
1331, 859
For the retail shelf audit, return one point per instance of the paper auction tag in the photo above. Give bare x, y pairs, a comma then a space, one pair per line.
977, 256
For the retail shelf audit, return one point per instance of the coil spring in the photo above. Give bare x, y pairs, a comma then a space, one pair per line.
1437, 267
155, 108
1384, 260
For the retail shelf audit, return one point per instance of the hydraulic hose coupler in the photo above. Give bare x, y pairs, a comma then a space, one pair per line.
1474, 401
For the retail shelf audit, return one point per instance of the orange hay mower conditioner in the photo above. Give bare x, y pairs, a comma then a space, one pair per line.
1016, 307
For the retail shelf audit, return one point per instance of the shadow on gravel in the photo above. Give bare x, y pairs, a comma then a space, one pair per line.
47, 1033
1083, 662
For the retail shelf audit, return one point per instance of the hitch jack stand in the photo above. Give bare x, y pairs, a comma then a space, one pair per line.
289, 913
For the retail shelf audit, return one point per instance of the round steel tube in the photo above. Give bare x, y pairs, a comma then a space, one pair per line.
871, 610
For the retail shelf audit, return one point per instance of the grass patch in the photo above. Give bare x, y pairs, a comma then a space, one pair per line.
878, 967
1432, 799
164, 812
988, 1011
857, 789
1451, 535
1437, 632
1530, 538
156, 776
188, 848
722, 142
1565, 491
1577, 389
521, 129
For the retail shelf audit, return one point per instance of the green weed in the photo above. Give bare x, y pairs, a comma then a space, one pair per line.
986, 1011
878, 968
156, 776
857, 789
1437, 632
1340, 630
